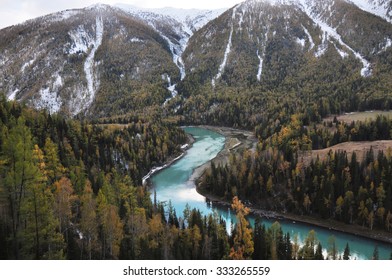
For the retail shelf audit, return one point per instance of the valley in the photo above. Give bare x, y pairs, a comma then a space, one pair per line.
98, 97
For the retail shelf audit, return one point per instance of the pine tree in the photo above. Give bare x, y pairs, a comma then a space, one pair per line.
346, 254
319, 252
260, 246
375, 253
288, 247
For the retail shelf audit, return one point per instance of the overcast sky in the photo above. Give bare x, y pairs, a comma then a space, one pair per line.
17, 11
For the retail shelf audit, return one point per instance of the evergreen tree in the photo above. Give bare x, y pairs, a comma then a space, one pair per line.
346, 254
288, 247
375, 253
260, 246
319, 252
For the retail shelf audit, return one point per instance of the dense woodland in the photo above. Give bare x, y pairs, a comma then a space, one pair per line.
346, 189
58, 203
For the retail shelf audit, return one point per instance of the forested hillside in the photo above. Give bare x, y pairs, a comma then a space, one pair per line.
283, 176
263, 61
58, 203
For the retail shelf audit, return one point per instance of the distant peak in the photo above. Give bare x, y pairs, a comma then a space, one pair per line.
276, 2
99, 6
179, 14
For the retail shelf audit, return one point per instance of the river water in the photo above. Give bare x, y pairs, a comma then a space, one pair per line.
173, 185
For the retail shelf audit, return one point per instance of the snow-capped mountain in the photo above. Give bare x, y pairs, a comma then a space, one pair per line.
176, 26
190, 19
267, 41
105, 60
74, 60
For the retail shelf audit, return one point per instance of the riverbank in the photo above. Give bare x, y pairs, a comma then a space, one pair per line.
329, 224
170, 161
238, 140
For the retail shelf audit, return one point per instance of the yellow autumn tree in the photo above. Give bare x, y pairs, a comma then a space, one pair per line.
243, 246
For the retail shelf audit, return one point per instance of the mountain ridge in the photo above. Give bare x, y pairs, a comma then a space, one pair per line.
106, 60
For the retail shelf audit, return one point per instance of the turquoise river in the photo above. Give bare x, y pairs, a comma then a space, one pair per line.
173, 184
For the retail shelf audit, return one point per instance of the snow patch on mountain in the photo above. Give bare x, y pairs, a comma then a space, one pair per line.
171, 87
322, 48
227, 51
81, 40
385, 45
342, 53
12, 95
177, 50
48, 97
301, 42
261, 57
191, 19
184, 23
64, 15
241, 21
388, 44
28, 64
136, 40
276, 2
91, 76
260, 71
330, 32
177, 44
311, 42
381, 8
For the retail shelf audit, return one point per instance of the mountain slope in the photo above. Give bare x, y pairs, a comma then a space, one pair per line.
70, 60
250, 30
262, 57
98, 61
176, 27
104, 61
381, 8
